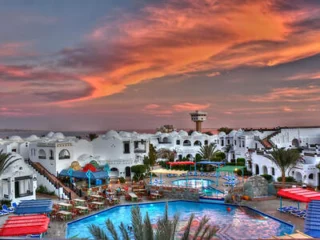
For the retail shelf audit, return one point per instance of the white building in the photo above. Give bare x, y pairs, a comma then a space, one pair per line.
18, 182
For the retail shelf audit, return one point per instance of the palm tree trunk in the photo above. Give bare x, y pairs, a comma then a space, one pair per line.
283, 174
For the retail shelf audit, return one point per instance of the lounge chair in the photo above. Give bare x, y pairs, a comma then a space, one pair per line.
14, 205
287, 209
6, 209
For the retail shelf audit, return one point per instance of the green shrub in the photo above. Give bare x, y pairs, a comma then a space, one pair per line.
268, 177
245, 173
241, 162
43, 189
122, 180
288, 179
6, 202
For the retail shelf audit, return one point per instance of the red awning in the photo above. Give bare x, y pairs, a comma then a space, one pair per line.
299, 194
24, 225
180, 163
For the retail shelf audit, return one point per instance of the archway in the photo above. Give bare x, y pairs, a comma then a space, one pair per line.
42, 154
114, 173
298, 177
189, 157
295, 143
165, 140
257, 169
265, 170
64, 154
186, 143
128, 172
197, 143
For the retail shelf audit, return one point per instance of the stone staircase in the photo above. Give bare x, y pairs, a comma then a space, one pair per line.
52, 179
267, 143
312, 221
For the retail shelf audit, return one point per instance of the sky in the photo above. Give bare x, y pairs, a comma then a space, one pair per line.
139, 64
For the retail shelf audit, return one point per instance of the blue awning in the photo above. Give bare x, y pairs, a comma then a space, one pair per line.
34, 206
82, 175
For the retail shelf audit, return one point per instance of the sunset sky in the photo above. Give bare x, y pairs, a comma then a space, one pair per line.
139, 64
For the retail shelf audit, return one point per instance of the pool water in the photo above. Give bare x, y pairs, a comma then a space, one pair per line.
239, 223
203, 184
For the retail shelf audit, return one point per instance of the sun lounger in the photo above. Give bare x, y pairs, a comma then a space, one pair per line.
6, 209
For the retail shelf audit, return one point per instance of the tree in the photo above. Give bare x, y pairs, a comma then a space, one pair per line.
152, 155
138, 171
225, 129
284, 159
167, 154
92, 136
166, 228
208, 151
6, 159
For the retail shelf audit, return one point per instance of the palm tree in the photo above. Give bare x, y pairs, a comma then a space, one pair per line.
166, 228
167, 154
92, 136
6, 159
284, 159
208, 151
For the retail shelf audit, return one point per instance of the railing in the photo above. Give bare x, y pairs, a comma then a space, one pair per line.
42, 157
64, 157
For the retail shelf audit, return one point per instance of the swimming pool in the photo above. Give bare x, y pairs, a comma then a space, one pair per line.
239, 223
195, 183
203, 184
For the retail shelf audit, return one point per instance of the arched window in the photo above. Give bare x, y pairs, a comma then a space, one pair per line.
205, 142
64, 154
197, 143
186, 143
42, 154
165, 140
310, 176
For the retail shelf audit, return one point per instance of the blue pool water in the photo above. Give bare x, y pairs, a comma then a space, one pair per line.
203, 184
239, 223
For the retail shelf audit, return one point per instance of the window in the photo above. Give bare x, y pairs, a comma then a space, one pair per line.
51, 155
222, 142
64, 154
228, 142
42, 154
126, 147
235, 142
136, 145
243, 145
272, 171
311, 176
178, 142
205, 142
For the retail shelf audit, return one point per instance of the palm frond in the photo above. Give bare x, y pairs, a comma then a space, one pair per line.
112, 230
6, 159
174, 225
137, 223
213, 230
206, 229
147, 228
125, 234
202, 224
187, 231
97, 232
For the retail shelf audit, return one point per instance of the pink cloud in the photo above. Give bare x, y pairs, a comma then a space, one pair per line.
213, 74
189, 107
151, 106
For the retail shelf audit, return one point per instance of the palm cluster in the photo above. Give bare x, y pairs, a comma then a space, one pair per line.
6, 159
284, 159
208, 152
166, 153
166, 228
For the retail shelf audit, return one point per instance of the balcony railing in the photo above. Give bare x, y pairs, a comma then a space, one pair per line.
64, 157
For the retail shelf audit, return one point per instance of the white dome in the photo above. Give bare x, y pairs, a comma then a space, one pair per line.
183, 133
15, 138
50, 134
221, 134
195, 133
174, 134
58, 135
32, 138
158, 133
232, 133
112, 133
125, 134
239, 133
256, 133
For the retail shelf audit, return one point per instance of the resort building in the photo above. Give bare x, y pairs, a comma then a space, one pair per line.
18, 182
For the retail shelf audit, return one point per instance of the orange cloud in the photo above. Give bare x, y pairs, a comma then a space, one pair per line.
293, 95
189, 107
151, 106
213, 74
306, 76
191, 37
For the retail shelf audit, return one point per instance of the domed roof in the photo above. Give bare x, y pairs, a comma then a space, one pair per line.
174, 133
183, 133
221, 134
158, 133
15, 138
112, 133
58, 135
32, 138
125, 134
195, 133
239, 132
232, 133
50, 134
